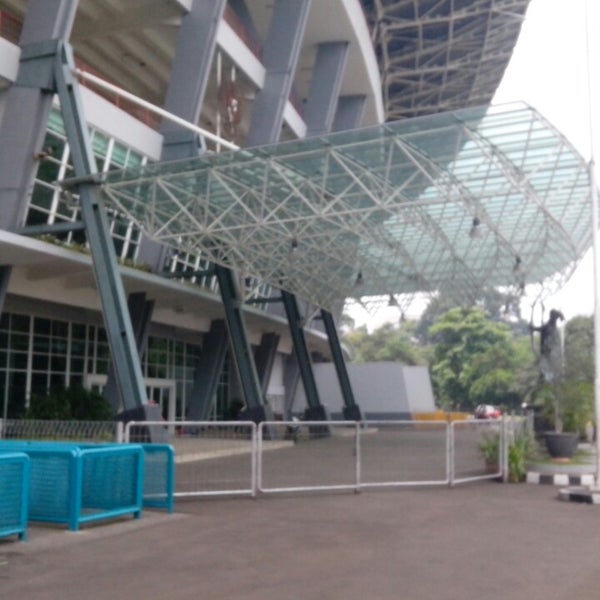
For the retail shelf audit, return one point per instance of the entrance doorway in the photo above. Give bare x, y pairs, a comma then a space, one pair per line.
159, 391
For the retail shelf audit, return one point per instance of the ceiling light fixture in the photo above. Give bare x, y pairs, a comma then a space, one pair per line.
475, 231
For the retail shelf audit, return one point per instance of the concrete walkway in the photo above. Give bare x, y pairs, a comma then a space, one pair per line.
483, 541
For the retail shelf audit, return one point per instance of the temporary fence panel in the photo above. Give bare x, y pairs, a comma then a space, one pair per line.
75, 485
14, 485
211, 457
403, 453
476, 450
301, 456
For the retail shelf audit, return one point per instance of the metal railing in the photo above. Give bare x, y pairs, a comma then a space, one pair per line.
71, 431
232, 458
212, 458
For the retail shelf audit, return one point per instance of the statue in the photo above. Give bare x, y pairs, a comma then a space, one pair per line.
550, 347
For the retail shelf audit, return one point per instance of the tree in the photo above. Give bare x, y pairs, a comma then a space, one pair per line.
473, 360
387, 343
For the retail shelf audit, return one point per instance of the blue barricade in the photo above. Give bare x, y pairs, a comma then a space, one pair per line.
14, 494
159, 476
76, 484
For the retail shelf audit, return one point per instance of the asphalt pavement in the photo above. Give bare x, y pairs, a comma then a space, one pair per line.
487, 541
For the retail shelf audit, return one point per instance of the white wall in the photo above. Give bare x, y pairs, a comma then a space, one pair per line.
382, 389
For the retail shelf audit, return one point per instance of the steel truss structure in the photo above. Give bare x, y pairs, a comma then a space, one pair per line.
441, 55
452, 203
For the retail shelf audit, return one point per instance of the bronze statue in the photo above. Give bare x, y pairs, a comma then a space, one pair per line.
550, 347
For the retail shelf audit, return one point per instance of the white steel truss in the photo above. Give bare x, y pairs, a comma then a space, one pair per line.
450, 203
440, 55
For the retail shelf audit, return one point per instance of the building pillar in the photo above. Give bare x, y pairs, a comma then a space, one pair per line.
280, 57
264, 358
325, 87
349, 113
25, 119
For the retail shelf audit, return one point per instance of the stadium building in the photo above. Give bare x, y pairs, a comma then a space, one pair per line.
254, 110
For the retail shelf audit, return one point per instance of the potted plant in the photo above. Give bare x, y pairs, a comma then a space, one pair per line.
489, 449
518, 451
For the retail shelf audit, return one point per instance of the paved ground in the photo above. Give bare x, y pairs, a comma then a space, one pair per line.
481, 541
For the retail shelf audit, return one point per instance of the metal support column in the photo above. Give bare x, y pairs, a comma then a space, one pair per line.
280, 57
325, 87
351, 409
108, 280
264, 358
25, 117
207, 372
315, 411
255, 410
140, 311
349, 114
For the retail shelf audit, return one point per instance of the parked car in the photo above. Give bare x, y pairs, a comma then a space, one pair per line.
487, 411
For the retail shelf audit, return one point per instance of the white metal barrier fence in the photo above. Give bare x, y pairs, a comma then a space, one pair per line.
239, 457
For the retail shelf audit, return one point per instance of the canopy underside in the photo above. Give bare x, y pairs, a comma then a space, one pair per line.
452, 203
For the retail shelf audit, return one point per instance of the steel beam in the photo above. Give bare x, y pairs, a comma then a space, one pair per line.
280, 57
351, 409
315, 411
349, 113
264, 358
26, 110
108, 280
207, 372
325, 87
241, 352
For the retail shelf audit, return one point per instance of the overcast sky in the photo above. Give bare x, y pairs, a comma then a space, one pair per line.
549, 71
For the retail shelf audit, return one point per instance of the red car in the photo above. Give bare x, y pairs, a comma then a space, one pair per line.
487, 411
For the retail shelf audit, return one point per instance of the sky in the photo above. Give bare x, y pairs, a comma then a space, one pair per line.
548, 70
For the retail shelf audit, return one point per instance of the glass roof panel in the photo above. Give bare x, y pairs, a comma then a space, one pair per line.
453, 202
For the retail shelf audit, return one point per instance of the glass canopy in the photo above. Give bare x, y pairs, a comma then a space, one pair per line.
452, 203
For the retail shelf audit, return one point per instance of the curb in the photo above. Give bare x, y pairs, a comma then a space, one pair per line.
583, 479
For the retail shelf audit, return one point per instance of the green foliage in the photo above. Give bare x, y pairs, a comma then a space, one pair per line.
70, 404
388, 343
519, 450
489, 447
473, 360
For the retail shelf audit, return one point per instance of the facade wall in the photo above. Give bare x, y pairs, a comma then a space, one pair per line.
43, 344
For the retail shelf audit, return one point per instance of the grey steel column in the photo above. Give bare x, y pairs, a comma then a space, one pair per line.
351, 409
315, 411
108, 280
25, 119
140, 311
264, 358
280, 57
325, 87
349, 114
194, 53
207, 372
255, 410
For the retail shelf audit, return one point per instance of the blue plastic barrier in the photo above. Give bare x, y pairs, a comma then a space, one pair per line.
159, 476
14, 494
75, 484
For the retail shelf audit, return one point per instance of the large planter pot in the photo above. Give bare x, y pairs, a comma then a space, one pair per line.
561, 445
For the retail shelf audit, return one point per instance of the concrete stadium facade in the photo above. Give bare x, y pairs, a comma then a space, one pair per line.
251, 73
